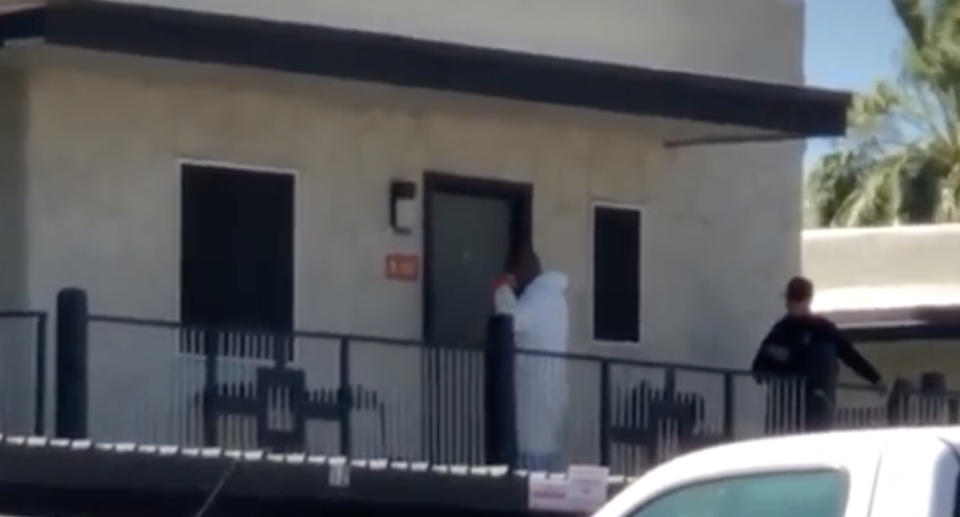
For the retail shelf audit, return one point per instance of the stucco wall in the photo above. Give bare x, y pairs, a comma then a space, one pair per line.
722, 223
16, 334
883, 256
760, 39
12, 192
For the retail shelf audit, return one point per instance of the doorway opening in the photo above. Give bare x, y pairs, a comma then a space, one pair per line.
470, 225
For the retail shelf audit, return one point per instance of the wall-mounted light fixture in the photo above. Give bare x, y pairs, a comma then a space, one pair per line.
403, 196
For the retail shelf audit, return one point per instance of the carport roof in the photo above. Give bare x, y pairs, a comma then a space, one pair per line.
771, 111
903, 323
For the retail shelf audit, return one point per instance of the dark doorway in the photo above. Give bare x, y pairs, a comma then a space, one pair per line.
236, 248
469, 227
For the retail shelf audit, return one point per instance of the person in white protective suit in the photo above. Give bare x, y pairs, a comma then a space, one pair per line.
540, 323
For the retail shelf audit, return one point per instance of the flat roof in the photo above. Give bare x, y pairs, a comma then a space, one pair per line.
779, 110
880, 297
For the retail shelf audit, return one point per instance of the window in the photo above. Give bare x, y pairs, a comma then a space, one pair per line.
236, 265
616, 273
797, 494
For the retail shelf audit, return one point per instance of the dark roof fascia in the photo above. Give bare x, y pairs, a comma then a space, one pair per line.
792, 111
900, 324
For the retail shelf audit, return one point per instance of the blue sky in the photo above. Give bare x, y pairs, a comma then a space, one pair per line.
849, 44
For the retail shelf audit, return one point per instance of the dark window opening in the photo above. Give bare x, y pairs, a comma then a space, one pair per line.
616, 274
237, 259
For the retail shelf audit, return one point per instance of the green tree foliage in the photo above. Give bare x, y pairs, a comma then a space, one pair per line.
901, 160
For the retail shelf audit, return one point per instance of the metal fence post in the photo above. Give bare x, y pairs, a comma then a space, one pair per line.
345, 398
897, 403
211, 388
500, 402
605, 396
933, 390
40, 378
728, 406
71, 390
669, 384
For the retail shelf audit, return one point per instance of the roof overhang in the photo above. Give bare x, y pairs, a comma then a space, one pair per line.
765, 111
899, 324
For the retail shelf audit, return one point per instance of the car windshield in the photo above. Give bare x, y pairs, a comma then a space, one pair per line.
796, 494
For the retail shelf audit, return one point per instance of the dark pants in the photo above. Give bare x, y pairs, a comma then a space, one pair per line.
819, 411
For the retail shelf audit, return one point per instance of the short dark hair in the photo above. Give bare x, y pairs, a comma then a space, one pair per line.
521, 258
799, 289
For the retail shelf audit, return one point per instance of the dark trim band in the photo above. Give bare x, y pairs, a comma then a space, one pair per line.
900, 324
402, 61
893, 333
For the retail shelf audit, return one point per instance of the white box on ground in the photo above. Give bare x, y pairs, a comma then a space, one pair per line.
587, 487
547, 494
583, 490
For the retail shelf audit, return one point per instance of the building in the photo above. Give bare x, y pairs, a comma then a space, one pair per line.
214, 175
573, 147
896, 291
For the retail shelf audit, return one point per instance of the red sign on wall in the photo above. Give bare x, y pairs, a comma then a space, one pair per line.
405, 268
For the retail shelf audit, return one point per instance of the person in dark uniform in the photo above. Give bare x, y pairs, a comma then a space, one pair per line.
808, 347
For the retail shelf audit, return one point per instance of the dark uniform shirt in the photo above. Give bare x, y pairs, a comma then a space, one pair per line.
810, 347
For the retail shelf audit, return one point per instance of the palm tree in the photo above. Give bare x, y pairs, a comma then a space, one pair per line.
901, 161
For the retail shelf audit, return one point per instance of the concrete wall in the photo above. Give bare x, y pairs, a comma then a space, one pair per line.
16, 334
760, 39
906, 255
106, 137
12, 192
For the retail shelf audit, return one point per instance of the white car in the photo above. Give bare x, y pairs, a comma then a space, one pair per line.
887, 473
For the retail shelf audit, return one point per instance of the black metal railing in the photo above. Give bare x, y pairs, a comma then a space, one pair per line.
368, 397
23, 356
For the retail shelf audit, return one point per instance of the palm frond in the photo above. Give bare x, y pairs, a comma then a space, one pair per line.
901, 160
873, 201
948, 206
912, 16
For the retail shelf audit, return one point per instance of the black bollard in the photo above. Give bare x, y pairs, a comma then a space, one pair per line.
499, 390
71, 381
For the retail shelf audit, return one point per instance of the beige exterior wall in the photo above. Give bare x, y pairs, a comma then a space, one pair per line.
760, 39
106, 136
12, 191
16, 334
906, 255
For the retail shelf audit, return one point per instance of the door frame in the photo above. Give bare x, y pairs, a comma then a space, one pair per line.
518, 194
